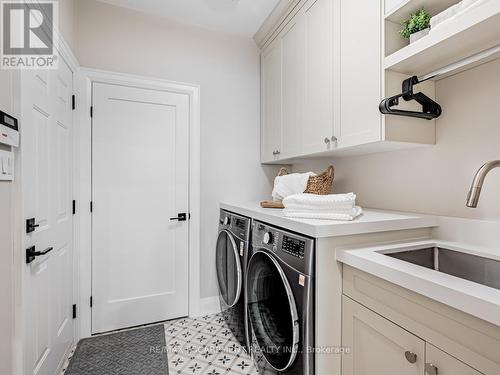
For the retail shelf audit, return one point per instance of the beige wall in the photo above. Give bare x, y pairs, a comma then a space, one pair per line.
226, 68
67, 25
436, 179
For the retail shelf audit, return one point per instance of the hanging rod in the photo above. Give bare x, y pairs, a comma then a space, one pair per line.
461, 63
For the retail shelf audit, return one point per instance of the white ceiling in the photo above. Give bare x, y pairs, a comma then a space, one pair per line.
241, 17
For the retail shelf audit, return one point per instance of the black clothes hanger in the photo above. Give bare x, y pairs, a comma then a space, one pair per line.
430, 109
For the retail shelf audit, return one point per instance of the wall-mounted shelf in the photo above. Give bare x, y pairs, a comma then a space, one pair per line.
474, 31
401, 11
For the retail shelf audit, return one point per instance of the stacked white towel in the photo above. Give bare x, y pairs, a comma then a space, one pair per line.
326, 207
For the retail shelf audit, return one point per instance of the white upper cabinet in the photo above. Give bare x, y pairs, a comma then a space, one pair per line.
360, 72
323, 80
271, 103
292, 47
317, 133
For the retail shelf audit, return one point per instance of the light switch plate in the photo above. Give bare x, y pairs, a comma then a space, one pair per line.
6, 165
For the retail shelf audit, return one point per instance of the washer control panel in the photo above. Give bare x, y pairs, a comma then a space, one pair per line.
294, 249
293, 246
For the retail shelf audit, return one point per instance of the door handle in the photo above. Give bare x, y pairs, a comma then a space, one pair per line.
31, 253
180, 217
30, 225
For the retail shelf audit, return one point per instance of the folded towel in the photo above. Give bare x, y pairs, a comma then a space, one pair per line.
290, 184
343, 215
311, 207
318, 202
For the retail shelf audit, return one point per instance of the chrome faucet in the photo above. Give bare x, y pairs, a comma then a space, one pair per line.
477, 183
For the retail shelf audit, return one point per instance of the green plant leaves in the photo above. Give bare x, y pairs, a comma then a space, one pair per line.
417, 21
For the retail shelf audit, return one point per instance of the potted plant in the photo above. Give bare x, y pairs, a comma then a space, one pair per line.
416, 26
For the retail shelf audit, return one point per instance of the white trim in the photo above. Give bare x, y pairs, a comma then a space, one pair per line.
275, 20
85, 77
208, 306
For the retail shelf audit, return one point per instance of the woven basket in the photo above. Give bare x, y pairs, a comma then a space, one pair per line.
320, 184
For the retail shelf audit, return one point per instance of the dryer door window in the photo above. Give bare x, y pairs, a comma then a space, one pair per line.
229, 273
272, 311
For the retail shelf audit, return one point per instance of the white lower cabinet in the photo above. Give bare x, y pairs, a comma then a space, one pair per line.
377, 346
441, 363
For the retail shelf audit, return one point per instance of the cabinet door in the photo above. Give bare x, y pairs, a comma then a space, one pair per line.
271, 102
318, 99
292, 45
377, 346
441, 363
360, 72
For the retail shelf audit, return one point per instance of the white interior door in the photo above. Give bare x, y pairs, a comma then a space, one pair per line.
140, 169
46, 154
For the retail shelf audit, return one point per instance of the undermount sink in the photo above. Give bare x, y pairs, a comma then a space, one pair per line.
470, 267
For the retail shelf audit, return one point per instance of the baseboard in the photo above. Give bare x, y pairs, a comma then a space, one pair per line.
208, 306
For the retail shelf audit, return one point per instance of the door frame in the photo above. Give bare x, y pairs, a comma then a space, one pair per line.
83, 187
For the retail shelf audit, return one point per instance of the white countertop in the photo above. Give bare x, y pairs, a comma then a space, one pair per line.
370, 222
467, 296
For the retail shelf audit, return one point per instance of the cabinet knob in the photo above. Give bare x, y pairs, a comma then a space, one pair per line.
278, 152
334, 138
327, 140
431, 369
410, 356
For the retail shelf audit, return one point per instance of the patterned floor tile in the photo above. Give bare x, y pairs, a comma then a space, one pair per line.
172, 331
177, 362
195, 367
211, 329
215, 370
225, 360
205, 346
187, 334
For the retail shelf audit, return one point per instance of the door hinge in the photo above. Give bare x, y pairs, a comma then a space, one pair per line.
73, 102
91, 206
91, 301
74, 207
74, 311
91, 111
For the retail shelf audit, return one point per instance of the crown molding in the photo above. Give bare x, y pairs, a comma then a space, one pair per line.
275, 20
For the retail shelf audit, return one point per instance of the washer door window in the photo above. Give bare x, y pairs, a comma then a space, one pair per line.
228, 269
272, 311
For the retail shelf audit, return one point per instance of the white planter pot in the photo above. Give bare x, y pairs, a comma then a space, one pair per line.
418, 35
